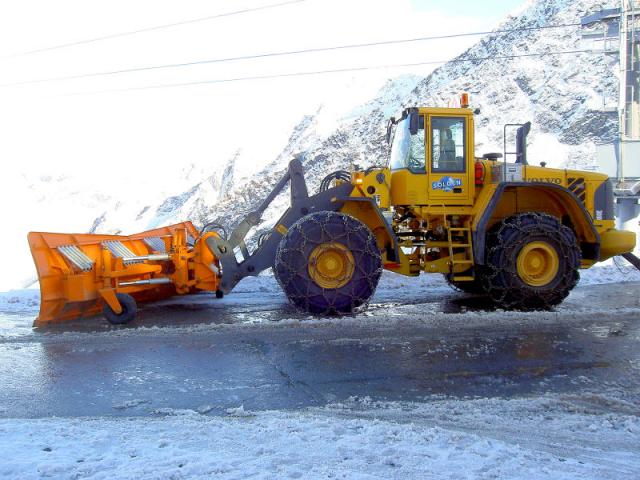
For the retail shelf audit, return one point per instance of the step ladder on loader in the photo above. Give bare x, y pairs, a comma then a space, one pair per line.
467, 260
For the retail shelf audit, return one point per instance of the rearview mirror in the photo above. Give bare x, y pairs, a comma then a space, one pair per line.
390, 125
414, 123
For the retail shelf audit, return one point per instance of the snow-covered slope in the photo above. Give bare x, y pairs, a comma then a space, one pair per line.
334, 136
561, 94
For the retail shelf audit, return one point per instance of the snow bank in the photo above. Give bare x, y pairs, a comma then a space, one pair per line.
19, 301
28, 300
18, 308
609, 272
320, 443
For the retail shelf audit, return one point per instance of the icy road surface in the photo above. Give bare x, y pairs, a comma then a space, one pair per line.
426, 382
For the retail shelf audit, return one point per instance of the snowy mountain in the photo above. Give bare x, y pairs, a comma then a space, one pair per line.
561, 94
226, 195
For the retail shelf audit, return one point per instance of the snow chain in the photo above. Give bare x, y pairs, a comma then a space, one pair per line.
293, 258
513, 234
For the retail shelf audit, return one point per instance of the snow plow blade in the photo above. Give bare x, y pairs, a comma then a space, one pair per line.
82, 275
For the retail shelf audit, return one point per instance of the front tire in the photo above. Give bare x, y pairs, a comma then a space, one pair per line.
532, 262
328, 263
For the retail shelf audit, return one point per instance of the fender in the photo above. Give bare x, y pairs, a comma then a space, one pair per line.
392, 241
584, 229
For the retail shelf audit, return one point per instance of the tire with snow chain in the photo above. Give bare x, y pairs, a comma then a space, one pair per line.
531, 262
328, 263
473, 287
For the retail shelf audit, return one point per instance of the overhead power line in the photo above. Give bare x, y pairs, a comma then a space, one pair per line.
337, 70
151, 29
284, 53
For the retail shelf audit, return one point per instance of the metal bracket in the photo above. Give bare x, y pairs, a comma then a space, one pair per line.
632, 259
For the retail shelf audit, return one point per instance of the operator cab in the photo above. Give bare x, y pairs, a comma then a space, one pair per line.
431, 159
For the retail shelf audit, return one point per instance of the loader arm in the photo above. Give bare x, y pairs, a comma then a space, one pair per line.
233, 254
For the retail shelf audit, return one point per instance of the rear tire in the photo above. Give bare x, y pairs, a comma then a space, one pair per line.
129, 310
328, 263
532, 262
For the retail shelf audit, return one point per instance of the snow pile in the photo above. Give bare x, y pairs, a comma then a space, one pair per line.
20, 301
611, 271
395, 441
392, 287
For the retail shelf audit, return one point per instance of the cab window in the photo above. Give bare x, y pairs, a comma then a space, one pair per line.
407, 150
448, 152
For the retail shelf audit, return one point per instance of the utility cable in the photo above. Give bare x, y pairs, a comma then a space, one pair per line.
150, 29
281, 54
337, 70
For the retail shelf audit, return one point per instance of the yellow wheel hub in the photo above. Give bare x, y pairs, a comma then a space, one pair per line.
331, 265
538, 264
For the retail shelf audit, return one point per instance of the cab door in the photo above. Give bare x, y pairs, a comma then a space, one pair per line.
450, 159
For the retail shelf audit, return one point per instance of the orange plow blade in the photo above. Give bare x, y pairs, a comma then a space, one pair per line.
81, 275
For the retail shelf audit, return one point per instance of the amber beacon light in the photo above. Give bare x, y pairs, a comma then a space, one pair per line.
464, 100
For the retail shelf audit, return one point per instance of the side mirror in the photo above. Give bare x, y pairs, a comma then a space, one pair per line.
390, 125
414, 123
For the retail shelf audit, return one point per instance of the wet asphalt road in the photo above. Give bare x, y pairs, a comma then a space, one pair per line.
240, 352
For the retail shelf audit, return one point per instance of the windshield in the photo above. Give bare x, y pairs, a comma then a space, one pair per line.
408, 151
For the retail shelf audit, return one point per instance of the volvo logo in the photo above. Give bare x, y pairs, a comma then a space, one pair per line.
557, 181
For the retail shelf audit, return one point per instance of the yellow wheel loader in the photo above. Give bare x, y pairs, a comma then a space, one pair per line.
516, 232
